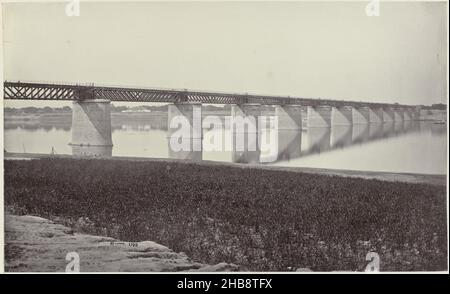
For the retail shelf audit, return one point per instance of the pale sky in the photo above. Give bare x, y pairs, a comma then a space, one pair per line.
301, 49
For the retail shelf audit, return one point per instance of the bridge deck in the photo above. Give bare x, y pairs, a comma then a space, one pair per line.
41, 91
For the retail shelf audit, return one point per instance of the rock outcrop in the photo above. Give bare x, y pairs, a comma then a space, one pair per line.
35, 244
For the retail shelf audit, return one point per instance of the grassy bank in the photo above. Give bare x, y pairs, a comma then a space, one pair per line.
264, 220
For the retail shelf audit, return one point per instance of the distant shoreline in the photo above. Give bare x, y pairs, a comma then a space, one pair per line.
431, 116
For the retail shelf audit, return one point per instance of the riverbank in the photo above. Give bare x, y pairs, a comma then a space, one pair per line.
35, 244
432, 179
263, 220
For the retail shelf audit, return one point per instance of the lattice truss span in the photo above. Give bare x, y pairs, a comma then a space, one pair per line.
37, 91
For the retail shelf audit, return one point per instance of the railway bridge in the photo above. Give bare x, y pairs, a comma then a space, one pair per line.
91, 117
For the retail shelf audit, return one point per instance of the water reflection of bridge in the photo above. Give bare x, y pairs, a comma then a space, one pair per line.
92, 121
291, 144
326, 139
294, 144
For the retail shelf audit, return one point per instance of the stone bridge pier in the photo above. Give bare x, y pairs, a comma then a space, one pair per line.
376, 115
361, 115
398, 115
407, 114
184, 131
289, 117
388, 115
342, 116
91, 128
289, 132
415, 113
245, 132
319, 116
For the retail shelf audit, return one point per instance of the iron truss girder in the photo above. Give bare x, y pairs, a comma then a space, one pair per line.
38, 91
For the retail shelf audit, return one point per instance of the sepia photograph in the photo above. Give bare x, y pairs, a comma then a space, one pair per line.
189, 137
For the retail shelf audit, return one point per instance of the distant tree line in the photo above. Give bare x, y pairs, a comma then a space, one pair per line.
114, 109
159, 108
437, 106
37, 110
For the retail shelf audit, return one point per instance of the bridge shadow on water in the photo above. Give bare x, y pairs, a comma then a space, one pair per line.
286, 145
281, 145
269, 146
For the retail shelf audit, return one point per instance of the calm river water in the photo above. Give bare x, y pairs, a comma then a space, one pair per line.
413, 147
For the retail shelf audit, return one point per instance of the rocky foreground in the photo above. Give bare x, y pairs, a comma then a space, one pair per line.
35, 244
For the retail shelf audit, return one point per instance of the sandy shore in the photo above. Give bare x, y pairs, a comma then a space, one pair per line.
35, 244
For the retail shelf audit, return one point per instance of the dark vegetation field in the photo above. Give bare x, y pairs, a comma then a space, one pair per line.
262, 220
